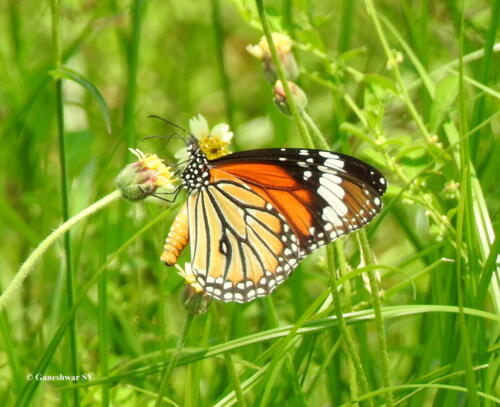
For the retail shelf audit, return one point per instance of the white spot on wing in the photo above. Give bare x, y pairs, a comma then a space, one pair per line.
334, 178
333, 200
331, 163
329, 215
332, 160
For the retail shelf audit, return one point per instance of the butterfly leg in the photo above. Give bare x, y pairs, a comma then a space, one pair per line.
177, 238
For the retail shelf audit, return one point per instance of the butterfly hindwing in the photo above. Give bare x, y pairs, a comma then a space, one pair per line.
241, 247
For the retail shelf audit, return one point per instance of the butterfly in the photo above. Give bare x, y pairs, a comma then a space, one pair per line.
252, 216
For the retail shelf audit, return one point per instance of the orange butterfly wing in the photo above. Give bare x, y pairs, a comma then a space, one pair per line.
241, 247
319, 202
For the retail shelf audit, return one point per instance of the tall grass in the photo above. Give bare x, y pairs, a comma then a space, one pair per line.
406, 313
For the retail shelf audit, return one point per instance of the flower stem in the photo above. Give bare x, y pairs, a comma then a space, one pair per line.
319, 140
133, 47
304, 132
231, 369
379, 320
70, 285
33, 258
173, 359
370, 7
234, 379
344, 329
221, 63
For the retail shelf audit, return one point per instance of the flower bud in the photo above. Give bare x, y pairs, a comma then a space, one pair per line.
142, 178
194, 299
395, 59
280, 97
283, 45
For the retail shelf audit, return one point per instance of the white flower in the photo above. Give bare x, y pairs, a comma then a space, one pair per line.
222, 132
198, 126
214, 143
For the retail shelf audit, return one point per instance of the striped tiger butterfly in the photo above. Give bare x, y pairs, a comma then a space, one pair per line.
252, 216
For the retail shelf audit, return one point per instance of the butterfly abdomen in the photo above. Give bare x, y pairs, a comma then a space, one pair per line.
177, 238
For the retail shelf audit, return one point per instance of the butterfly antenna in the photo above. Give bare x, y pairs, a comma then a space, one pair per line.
191, 136
175, 135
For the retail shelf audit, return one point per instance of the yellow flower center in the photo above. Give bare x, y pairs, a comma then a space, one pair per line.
213, 147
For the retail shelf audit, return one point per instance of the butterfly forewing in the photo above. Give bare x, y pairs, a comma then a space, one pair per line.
322, 195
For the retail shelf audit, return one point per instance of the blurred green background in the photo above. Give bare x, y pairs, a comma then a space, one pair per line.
386, 86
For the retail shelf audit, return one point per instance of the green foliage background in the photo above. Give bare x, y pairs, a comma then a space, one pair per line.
386, 85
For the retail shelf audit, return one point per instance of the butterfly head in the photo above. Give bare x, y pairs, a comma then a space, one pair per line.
197, 173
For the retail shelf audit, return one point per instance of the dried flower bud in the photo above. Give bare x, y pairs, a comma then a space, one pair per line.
280, 97
195, 302
194, 299
283, 45
142, 178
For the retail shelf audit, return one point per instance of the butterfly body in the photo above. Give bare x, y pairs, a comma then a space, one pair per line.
252, 216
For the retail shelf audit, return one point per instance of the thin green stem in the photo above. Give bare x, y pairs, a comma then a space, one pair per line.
11, 352
234, 379
221, 65
103, 326
228, 358
319, 140
344, 329
33, 258
379, 319
133, 46
486, 65
70, 286
395, 69
173, 359
463, 216
282, 76
346, 30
